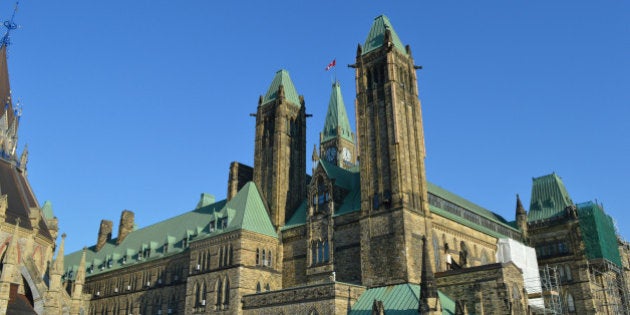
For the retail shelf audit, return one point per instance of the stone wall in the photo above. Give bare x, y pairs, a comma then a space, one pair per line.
327, 298
488, 289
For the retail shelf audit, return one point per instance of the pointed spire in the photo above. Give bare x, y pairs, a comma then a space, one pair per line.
11, 256
519, 206
80, 278
58, 264
282, 87
428, 288
315, 156
10, 25
381, 33
336, 122
24, 158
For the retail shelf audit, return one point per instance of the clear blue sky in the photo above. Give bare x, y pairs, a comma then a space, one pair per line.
142, 105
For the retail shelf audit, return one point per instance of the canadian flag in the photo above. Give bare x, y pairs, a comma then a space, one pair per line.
331, 65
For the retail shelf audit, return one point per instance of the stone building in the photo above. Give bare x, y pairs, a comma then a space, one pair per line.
366, 233
30, 277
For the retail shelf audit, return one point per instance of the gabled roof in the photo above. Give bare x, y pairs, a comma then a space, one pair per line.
549, 198
290, 93
397, 299
336, 117
245, 211
376, 37
249, 212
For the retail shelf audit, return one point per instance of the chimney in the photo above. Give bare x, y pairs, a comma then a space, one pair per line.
240, 174
126, 225
104, 234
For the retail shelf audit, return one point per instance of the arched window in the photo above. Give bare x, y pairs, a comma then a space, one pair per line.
257, 256
258, 288
219, 290
269, 259
570, 303
203, 293
463, 254
225, 256
313, 253
264, 258
267, 287
231, 256
197, 295
436, 253
220, 257
326, 251
226, 296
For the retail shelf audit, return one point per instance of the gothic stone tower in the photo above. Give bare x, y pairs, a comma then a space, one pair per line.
395, 212
280, 149
337, 141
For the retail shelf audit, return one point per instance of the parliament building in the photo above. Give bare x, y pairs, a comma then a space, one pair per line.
365, 233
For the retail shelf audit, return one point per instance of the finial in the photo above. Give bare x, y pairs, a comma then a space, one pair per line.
10, 25
63, 235
17, 222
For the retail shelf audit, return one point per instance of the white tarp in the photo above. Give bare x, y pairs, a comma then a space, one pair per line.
523, 257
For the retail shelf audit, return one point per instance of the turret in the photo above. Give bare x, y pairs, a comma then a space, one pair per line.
521, 218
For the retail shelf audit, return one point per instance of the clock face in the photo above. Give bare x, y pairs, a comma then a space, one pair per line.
345, 154
331, 154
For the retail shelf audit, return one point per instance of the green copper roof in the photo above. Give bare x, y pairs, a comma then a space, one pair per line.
336, 117
245, 211
290, 93
598, 233
399, 299
47, 210
376, 37
441, 192
350, 181
250, 212
549, 198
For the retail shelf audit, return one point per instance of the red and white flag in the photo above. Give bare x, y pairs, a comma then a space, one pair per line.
331, 65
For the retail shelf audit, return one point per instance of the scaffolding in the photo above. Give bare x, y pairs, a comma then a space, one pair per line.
608, 284
550, 291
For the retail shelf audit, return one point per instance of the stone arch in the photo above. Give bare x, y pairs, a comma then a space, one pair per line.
37, 298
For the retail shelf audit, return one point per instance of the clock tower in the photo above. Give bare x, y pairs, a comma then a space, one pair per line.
337, 141
280, 148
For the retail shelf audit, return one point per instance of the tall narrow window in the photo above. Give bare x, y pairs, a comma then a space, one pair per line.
264, 258
568, 274
219, 290
258, 288
269, 259
320, 252
257, 256
313, 253
436, 252
226, 296
570, 303
220, 257
326, 251
231, 256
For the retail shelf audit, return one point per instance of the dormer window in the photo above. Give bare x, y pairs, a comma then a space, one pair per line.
212, 226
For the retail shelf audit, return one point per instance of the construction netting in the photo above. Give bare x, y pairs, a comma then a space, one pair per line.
523, 257
598, 233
